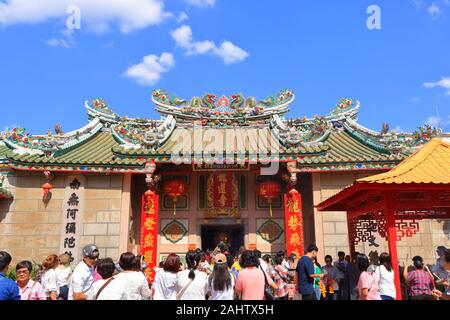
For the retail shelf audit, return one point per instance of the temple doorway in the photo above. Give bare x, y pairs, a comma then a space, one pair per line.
231, 235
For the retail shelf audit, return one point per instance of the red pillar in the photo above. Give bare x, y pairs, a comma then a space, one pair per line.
351, 238
392, 241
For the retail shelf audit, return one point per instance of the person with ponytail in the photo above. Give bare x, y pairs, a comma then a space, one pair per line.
419, 281
192, 284
221, 281
386, 275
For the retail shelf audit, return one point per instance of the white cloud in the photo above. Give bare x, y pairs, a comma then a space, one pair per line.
182, 36
66, 41
182, 17
149, 71
57, 42
227, 51
434, 10
201, 3
443, 83
230, 53
96, 15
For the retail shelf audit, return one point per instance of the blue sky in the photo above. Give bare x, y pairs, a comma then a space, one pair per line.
322, 50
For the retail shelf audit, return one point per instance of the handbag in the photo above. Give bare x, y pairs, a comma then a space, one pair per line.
268, 291
103, 287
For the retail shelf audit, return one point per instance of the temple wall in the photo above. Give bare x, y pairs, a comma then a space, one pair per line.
31, 229
334, 234
193, 218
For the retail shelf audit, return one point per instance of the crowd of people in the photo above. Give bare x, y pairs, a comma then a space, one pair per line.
246, 275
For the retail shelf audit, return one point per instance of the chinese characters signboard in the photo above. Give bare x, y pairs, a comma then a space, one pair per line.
222, 195
149, 233
73, 207
294, 223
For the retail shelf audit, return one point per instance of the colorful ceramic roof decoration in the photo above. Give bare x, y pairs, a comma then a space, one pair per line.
114, 144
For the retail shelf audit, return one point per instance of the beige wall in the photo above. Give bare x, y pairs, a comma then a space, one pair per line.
29, 229
333, 225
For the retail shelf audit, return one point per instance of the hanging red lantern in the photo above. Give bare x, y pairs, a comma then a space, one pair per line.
175, 189
269, 190
46, 187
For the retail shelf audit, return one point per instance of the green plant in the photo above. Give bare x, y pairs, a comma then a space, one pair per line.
12, 274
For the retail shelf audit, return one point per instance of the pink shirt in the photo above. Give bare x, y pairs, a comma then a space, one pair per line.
97, 276
250, 282
369, 281
36, 294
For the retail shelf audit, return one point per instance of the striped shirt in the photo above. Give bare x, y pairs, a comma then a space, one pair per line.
419, 282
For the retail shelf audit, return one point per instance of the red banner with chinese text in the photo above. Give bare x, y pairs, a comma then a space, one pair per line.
294, 223
222, 195
149, 234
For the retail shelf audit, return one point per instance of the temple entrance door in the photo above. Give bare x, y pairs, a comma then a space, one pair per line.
231, 235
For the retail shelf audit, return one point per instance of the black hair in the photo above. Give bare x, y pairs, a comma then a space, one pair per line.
311, 248
249, 259
363, 262
278, 259
385, 260
127, 261
221, 247
328, 257
106, 267
355, 255
230, 260
257, 253
282, 254
5, 259
317, 262
418, 262
220, 277
24, 264
267, 258
193, 258
447, 255
341, 253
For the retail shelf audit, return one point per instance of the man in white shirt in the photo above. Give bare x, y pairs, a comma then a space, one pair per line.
81, 285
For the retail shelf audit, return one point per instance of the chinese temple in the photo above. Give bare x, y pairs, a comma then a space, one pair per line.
211, 169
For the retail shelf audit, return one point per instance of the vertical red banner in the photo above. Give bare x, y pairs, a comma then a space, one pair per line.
149, 233
293, 217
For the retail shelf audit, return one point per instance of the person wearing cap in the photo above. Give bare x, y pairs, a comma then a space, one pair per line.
221, 281
82, 282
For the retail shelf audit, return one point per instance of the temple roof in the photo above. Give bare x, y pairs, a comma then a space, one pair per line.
112, 143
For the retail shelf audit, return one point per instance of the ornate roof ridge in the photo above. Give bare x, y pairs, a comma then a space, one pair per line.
25, 143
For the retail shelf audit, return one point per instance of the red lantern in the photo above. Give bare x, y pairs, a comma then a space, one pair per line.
46, 187
269, 190
175, 189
